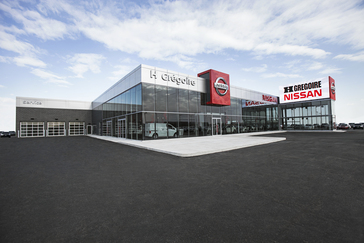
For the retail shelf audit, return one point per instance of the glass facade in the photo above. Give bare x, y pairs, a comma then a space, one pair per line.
149, 111
313, 115
260, 118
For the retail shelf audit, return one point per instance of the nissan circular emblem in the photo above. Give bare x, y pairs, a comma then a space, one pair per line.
221, 88
333, 88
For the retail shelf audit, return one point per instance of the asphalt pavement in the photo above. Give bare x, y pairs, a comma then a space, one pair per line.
306, 188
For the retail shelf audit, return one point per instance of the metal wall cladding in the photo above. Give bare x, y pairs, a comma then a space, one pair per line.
28, 102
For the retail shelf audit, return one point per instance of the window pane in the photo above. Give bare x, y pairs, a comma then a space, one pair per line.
183, 125
172, 100
161, 117
183, 100
123, 104
132, 100
215, 109
140, 130
192, 126
193, 98
207, 125
160, 98
128, 101
149, 124
148, 97
173, 120
138, 97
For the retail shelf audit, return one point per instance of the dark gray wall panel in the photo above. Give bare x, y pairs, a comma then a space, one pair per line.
52, 115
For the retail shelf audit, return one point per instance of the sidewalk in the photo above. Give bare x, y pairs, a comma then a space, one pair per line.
195, 146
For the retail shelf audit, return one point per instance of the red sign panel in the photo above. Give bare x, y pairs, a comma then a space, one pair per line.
218, 88
270, 98
332, 88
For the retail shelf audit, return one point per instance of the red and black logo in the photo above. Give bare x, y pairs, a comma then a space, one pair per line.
218, 87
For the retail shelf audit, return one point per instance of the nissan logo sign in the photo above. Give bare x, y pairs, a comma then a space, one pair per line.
221, 86
333, 88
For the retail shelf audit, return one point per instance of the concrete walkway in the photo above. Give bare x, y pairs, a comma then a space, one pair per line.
195, 146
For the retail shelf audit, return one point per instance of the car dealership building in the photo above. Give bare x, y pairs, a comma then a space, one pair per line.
151, 103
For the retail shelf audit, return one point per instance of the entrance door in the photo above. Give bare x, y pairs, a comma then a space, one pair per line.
108, 128
121, 128
89, 129
216, 126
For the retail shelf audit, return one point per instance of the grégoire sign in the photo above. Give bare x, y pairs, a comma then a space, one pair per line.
312, 90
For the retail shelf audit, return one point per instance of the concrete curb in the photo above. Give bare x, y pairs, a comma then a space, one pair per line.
196, 146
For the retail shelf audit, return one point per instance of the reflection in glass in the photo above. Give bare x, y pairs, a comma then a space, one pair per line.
132, 100
123, 104
183, 124
161, 117
304, 109
192, 126
183, 100
149, 125
172, 105
193, 101
173, 120
138, 97
160, 98
148, 97
139, 126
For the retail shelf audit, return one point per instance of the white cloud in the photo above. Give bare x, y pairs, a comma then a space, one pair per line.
121, 71
5, 59
28, 53
83, 62
36, 24
176, 31
187, 62
291, 64
28, 61
331, 71
51, 78
7, 107
2, 86
170, 30
281, 75
292, 50
261, 69
10, 43
315, 66
358, 57
128, 60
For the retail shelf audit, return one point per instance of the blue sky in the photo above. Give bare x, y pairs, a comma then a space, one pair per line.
77, 49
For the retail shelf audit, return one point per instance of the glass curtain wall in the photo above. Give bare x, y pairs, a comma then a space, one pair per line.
124, 107
314, 115
259, 118
152, 111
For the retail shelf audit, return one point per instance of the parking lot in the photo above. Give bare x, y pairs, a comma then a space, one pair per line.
307, 188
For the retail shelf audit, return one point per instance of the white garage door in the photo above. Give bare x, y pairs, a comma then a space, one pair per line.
31, 129
56, 129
